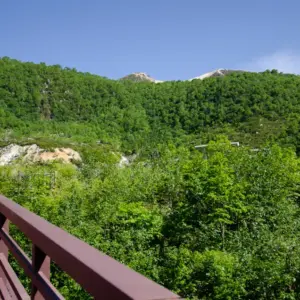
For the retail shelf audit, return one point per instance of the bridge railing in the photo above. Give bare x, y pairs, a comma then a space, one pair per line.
100, 275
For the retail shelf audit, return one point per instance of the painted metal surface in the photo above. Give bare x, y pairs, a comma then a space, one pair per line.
100, 275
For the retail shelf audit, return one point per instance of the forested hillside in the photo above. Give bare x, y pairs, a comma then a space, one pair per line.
37, 99
223, 224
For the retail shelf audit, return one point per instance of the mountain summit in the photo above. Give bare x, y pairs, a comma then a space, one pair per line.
215, 73
140, 77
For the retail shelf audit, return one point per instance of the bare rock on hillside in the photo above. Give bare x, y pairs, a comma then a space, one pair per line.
126, 160
33, 154
10, 153
66, 155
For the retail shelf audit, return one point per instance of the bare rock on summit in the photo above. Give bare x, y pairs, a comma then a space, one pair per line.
215, 73
140, 77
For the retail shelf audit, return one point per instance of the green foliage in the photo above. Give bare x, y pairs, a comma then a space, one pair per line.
42, 101
207, 275
218, 224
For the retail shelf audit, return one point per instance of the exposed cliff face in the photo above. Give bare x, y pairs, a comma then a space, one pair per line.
34, 154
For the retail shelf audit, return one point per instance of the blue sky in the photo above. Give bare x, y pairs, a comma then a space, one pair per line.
168, 39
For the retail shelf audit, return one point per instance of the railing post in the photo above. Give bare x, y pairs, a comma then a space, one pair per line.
40, 263
4, 225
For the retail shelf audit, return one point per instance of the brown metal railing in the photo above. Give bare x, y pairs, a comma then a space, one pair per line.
100, 275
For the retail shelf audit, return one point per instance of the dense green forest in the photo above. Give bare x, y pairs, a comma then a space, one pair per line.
48, 101
223, 224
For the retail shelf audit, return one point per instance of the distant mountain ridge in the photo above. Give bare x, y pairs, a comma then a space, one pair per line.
142, 77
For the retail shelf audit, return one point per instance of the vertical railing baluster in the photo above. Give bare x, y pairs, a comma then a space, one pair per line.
40, 263
4, 225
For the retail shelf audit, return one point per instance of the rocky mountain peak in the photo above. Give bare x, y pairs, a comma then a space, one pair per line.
215, 73
138, 77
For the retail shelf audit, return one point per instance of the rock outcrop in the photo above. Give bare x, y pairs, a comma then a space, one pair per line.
10, 153
67, 155
34, 154
126, 160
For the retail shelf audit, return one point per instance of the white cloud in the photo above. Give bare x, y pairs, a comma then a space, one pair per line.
283, 61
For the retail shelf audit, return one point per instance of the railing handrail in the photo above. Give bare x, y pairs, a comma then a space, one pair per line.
99, 274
